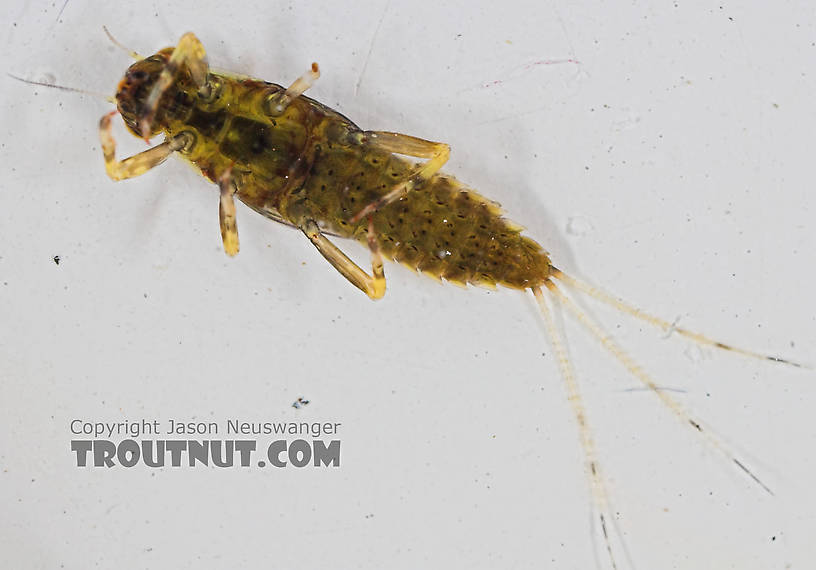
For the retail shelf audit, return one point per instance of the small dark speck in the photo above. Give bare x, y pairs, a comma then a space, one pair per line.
299, 403
57, 259
145, 295
773, 538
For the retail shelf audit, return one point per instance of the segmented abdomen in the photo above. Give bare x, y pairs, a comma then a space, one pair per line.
442, 228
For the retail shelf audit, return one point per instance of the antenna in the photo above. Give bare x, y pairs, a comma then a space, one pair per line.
113, 40
108, 98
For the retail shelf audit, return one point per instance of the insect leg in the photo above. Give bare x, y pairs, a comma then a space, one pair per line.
226, 213
277, 102
189, 51
372, 285
135, 165
397, 143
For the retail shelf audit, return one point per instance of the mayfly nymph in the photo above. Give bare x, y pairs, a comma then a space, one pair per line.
300, 163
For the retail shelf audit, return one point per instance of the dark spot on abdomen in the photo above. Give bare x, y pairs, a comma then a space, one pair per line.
259, 144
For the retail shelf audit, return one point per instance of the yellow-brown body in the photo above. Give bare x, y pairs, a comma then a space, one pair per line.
312, 163
301, 163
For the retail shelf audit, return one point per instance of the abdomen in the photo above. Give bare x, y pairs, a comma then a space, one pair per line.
442, 228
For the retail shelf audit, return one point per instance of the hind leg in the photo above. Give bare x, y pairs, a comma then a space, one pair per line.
397, 143
372, 285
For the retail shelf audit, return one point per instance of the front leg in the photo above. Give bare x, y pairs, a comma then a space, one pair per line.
137, 164
189, 52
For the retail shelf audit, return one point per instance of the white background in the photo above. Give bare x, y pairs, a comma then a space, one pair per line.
670, 161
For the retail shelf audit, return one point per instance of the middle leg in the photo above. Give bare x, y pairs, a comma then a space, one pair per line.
277, 103
226, 213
